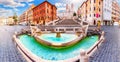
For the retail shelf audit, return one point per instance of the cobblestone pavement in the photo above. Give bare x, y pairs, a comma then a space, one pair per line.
8, 51
109, 51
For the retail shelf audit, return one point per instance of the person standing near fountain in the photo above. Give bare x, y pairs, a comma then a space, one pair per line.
99, 25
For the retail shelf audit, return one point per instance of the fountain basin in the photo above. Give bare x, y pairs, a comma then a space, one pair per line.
35, 51
65, 40
52, 54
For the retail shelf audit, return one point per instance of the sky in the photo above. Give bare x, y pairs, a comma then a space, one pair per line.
9, 7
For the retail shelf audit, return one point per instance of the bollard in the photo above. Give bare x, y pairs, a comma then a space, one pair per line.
83, 56
16, 33
103, 33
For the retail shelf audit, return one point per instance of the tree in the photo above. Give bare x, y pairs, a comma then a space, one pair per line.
74, 14
15, 18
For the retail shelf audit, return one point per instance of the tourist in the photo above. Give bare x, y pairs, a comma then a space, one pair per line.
99, 25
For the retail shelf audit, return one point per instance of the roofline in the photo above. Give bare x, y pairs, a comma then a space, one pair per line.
83, 3
44, 2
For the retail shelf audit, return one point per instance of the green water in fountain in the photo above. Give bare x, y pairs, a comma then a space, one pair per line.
49, 53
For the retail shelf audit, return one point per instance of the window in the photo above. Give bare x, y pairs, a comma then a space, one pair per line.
99, 9
94, 1
99, 3
94, 15
47, 11
47, 5
94, 8
99, 15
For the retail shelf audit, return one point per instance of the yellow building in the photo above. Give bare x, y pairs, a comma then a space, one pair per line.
30, 14
27, 16
94, 11
91, 11
115, 11
23, 17
2, 20
10, 20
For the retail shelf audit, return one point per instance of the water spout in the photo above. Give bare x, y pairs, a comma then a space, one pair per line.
58, 34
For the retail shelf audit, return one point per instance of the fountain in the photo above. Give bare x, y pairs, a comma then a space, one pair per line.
58, 34
57, 46
58, 39
49, 54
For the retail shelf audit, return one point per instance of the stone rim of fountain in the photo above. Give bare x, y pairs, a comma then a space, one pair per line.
59, 45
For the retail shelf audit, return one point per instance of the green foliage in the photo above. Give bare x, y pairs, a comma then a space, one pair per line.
15, 18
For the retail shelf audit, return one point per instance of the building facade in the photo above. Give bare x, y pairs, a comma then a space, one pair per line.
10, 20
3, 21
23, 17
107, 12
94, 11
115, 11
27, 16
30, 14
91, 11
44, 13
82, 11
67, 13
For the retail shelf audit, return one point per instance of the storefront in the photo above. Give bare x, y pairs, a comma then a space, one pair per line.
107, 22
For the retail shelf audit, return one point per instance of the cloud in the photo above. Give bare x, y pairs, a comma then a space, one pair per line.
119, 2
61, 9
15, 9
60, 6
14, 3
24, 0
30, 4
5, 13
10, 3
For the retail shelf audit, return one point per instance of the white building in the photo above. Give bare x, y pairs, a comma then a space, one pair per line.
107, 12
10, 20
3, 21
68, 13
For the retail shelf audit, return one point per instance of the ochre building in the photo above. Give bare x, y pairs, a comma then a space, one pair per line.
44, 13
